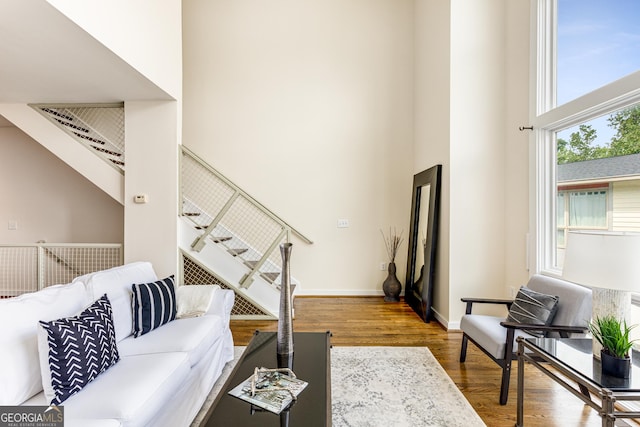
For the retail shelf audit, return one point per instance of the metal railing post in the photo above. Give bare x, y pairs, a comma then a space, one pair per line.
199, 243
247, 279
40, 267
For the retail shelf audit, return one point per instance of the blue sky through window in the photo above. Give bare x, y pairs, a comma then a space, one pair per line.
598, 43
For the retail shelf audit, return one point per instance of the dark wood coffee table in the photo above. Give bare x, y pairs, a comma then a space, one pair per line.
311, 363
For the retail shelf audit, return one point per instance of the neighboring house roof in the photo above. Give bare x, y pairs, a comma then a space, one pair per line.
611, 167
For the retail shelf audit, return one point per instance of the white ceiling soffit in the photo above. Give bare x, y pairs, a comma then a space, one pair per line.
47, 58
4, 122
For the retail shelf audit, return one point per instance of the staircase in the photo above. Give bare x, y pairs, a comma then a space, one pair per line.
221, 223
98, 127
224, 235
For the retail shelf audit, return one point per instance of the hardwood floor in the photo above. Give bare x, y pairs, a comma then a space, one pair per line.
369, 321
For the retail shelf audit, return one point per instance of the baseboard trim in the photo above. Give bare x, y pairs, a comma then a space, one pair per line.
337, 293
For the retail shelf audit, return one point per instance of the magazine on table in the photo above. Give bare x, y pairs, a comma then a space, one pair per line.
273, 389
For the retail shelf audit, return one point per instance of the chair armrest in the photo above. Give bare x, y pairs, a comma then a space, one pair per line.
471, 301
563, 330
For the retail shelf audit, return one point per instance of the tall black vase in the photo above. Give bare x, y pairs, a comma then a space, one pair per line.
284, 342
391, 285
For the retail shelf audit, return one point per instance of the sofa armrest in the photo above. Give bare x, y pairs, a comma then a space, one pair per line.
222, 303
471, 301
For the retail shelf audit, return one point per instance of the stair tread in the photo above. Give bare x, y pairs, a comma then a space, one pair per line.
270, 276
72, 126
104, 150
238, 251
89, 138
218, 239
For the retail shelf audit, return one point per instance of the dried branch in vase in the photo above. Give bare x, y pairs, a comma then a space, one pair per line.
392, 243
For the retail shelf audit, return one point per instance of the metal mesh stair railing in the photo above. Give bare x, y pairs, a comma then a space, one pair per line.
195, 274
31, 267
229, 217
99, 127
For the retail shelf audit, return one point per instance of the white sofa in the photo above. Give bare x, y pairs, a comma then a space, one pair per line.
162, 377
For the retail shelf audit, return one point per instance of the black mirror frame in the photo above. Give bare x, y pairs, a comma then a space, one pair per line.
420, 295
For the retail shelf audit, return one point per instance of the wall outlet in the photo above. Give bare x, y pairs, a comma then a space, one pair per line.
12, 225
383, 266
343, 223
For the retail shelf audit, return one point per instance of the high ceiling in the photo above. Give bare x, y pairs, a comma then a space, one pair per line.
46, 58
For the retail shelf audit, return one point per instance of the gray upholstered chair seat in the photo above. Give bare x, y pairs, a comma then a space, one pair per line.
488, 333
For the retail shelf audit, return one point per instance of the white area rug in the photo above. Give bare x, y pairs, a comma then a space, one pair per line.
387, 387
395, 386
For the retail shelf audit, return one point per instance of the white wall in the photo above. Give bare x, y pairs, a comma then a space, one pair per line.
145, 33
150, 229
517, 53
478, 177
148, 35
313, 108
471, 91
49, 200
308, 107
432, 116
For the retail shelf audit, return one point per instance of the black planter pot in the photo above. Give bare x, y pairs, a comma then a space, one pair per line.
615, 366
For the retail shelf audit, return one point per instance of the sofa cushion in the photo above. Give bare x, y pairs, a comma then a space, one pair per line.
19, 363
79, 349
153, 305
533, 308
133, 391
192, 335
116, 283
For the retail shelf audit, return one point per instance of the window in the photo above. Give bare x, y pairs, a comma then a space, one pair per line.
597, 43
587, 121
580, 210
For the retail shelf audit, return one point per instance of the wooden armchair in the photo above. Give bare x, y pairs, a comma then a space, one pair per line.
495, 336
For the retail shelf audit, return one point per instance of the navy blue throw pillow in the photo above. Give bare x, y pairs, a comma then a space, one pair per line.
80, 348
154, 304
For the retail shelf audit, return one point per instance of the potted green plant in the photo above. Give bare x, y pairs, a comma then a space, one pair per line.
613, 335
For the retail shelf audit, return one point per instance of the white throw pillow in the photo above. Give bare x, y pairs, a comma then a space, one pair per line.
194, 300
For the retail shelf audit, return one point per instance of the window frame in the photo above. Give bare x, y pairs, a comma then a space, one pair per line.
547, 119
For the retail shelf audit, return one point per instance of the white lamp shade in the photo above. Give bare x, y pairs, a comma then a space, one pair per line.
607, 260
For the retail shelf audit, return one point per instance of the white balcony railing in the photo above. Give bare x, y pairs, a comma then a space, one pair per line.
31, 267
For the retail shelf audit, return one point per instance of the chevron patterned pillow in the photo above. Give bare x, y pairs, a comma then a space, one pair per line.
80, 348
533, 308
153, 304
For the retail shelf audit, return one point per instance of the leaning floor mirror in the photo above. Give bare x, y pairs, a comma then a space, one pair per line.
423, 239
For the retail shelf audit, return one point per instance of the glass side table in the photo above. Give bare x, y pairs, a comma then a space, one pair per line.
570, 363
